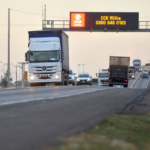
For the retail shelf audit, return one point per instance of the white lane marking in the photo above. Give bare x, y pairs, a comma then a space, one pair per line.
36, 99
147, 83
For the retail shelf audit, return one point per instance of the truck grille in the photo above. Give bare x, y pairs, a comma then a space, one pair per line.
104, 81
39, 69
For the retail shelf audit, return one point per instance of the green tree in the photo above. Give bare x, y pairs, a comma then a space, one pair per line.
4, 81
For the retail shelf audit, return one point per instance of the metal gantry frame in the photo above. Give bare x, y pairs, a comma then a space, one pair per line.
64, 25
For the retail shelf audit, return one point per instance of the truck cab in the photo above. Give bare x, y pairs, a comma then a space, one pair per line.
103, 77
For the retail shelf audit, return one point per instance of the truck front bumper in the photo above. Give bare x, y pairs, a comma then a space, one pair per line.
44, 78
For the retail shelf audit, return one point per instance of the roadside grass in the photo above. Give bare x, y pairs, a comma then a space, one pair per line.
119, 132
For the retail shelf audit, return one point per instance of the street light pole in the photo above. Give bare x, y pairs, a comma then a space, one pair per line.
8, 48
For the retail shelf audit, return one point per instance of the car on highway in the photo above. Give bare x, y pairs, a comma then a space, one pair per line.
144, 75
84, 78
72, 78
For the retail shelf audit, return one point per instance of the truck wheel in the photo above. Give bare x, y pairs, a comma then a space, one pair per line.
110, 84
126, 85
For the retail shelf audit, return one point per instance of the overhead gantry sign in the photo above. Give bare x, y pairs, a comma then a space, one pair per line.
99, 22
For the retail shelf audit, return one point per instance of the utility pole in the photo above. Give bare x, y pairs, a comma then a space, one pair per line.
79, 69
23, 69
83, 67
8, 48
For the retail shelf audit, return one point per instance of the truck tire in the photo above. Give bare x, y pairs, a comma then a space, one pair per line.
126, 85
66, 77
111, 85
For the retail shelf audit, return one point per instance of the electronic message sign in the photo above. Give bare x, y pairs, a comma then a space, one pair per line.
104, 20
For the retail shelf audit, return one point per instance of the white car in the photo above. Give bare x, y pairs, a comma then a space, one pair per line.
84, 78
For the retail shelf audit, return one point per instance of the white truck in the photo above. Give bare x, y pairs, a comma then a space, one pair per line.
137, 64
103, 77
48, 58
119, 70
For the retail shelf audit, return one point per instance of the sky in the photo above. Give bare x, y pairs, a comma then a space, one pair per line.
91, 49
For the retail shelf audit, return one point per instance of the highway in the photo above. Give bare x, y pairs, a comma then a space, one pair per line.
131, 80
36, 118
141, 83
39, 93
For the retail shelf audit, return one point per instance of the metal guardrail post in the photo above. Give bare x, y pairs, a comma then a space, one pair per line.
52, 24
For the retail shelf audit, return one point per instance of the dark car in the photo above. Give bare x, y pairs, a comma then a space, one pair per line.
84, 79
144, 75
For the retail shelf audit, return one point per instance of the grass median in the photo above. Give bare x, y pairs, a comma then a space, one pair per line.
119, 132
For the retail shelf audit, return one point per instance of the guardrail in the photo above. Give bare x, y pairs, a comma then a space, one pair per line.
144, 26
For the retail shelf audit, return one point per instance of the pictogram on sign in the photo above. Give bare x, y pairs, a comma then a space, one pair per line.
77, 19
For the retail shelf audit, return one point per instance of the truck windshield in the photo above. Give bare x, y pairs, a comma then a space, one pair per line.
103, 75
131, 71
45, 56
136, 64
70, 72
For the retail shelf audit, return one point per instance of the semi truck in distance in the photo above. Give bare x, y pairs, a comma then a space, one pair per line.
48, 58
137, 64
103, 77
132, 72
118, 70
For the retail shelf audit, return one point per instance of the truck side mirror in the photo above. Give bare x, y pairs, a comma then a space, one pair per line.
27, 56
74, 74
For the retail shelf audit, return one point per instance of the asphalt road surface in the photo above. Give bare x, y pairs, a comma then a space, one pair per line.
36, 118
141, 83
38, 93
131, 80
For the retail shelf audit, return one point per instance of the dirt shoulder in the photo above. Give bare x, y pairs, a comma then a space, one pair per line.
140, 107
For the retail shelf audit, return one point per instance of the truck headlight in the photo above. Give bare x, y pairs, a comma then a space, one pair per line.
31, 78
78, 80
132, 76
57, 77
88, 79
72, 77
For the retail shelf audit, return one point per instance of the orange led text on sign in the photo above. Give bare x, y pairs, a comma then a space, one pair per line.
110, 20
77, 19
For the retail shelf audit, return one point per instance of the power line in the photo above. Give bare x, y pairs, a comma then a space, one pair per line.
36, 14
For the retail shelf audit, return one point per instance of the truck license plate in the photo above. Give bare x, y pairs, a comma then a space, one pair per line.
44, 76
